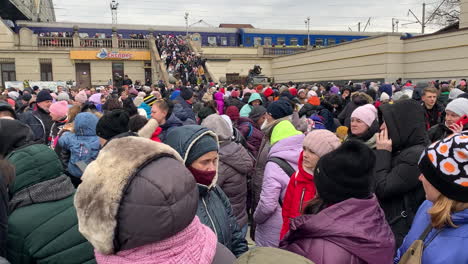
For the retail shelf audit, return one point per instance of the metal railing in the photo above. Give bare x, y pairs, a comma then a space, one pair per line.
133, 44
55, 42
96, 43
282, 51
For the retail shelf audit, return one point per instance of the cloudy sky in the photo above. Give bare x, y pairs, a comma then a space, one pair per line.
276, 14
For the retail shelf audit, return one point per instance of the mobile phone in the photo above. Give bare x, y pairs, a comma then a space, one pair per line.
463, 121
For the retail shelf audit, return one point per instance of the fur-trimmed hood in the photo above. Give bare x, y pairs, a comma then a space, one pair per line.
141, 197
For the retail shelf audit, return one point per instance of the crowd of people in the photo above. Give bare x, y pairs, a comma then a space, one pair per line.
187, 173
181, 62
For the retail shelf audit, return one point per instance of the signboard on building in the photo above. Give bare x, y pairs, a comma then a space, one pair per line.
105, 54
42, 85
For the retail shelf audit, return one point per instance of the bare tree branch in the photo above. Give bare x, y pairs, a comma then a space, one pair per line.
447, 14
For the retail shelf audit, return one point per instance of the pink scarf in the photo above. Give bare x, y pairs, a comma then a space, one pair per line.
196, 244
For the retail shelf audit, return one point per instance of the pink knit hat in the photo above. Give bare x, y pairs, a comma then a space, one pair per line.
321, 142
59, 108
81, 97
366, 113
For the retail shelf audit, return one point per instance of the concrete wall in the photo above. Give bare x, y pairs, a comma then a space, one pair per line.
241, 66
7, 38
464, 14
229, 51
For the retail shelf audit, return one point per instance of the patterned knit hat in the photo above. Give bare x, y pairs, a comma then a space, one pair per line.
445, 165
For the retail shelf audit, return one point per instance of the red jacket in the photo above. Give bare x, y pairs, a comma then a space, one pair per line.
301, 189
155, 136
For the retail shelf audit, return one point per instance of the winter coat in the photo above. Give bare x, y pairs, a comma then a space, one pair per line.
246, 109
309, 110
40, 123
443, 98
185, 111
231, 101
264, 255
219, 98
397, 186
252, 134
434, 116
214, 208
353, 231
43, 226
235, 164
268, 214
300, 190
369, 138
170, 124
357, 99
4, 207
441, 131
83, 144
447, 245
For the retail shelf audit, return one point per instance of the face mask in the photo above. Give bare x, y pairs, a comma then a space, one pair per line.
203, 177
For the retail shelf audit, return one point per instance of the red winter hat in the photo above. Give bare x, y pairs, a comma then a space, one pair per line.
268, 92
235, 93
233, 113
293, 91
259, 88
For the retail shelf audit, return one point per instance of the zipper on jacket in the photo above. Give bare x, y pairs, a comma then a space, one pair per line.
209, 216
302, 199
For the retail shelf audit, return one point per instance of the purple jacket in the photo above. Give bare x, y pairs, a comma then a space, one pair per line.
219, 98
251, 133
354, 231
268, 214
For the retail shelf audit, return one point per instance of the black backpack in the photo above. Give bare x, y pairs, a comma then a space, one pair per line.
284, 165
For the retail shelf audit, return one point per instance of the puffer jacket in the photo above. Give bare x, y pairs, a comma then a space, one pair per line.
83, 144
214, 208
442, 246
397, 186
219, 98
235, 164
184, 112
43, 226
252, 134
352, 232
40, 123
170, 124
268, 214
246, 109
301, 189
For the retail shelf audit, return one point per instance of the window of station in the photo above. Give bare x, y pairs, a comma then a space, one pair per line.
293, 42
212, 41
331, 42
224, 41
305, 42
267, 41
46, 70
232, 41
257, 41
8, 71
319, 42
280, 41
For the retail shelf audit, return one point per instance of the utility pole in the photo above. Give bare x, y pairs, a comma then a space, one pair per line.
113, 6
395, 25
424, 18
359, 27
186, 24
423, 22
307, 22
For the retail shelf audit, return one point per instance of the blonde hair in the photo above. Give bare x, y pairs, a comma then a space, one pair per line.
442, 210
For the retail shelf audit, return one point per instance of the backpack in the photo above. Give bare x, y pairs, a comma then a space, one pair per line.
284, 165
413, 254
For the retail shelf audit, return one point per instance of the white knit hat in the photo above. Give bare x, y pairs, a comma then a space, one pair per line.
459, 106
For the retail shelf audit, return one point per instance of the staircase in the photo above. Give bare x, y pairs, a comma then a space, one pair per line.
208, 73
158, 67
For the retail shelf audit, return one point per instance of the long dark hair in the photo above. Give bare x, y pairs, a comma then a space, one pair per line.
315, 206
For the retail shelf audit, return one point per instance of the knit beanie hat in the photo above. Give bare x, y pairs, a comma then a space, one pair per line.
280, 109
27, 97
133, 91
293, 91
366, 113
235, 94
257, 112
268, 92
311, 94
138, 101
321, 142
186, 93
459, 106
445, 165
59, 108
345, 173
44, 95
205, 144
384, 97
63, 96
455, 93
113, 124
233, 113
81, 97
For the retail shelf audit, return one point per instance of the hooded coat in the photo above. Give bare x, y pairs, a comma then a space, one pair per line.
10, 141
448, 246
268, 214
214, 208
183, 111
130, 199
235, 163
171, 123
397, 185
43, 226
83, 144
252, 134
357, 99
219, 98
353, 232
246, 109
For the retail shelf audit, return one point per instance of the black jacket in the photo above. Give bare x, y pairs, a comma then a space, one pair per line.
440, 131
40, 123
396, 180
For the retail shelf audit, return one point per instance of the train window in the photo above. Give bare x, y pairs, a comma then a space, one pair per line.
331, 42
248, 41
280, 41
305, 42
293, 42
224, 41
267, 41
232, 41
257, 41
212, 41
343, 40
319, 42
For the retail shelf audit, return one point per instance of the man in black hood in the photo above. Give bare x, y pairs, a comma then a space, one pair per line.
40, 120
13, 134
